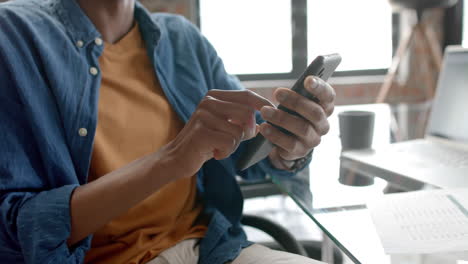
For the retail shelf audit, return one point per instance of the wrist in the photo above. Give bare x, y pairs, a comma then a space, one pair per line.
176, 161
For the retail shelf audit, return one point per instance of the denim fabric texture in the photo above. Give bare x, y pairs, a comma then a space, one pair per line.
48, 116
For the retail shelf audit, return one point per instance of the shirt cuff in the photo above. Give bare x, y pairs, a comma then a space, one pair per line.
44, 225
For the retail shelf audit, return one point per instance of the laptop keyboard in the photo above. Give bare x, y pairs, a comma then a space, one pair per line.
442, 155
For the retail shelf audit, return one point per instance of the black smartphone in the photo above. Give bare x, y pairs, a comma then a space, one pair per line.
259, 147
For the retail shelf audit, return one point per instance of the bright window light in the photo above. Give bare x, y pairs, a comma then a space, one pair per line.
251, 36
360, 30
465, 24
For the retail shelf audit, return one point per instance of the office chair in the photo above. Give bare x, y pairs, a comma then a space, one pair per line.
283, 237
419, 32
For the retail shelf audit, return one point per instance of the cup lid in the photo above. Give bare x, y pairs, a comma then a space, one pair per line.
356, 113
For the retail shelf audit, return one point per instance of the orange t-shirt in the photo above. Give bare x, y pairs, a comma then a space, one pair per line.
136, 119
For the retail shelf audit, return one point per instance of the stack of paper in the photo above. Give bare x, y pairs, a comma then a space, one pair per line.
422, 222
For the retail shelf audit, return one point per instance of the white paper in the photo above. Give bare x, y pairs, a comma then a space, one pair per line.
422, 222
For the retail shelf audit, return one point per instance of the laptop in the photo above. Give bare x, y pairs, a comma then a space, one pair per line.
441, 157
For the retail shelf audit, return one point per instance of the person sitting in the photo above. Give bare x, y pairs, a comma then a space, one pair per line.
120, 131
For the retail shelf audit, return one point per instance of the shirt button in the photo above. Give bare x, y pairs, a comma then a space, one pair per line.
83, 132
93, 71
79, 44
98, 41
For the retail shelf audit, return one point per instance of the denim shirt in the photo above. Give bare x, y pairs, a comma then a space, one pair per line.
49, 83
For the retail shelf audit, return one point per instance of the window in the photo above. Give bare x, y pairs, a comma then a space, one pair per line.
250, 41
265, 39
465, 24
360, 30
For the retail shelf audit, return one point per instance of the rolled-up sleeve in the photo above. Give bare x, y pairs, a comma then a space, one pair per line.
38, 225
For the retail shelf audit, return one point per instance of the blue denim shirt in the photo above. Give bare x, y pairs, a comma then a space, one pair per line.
49, 94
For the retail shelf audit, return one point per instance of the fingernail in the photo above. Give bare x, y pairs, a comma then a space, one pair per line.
268, 112
282, 96
315, 83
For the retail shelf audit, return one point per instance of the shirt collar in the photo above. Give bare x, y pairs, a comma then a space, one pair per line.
77, 23
80, 27
150, 29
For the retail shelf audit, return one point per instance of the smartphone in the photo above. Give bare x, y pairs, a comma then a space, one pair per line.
259, 147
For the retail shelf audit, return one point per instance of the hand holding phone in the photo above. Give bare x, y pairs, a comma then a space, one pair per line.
259, 148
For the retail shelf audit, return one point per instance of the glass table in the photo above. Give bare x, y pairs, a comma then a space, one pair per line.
340, 210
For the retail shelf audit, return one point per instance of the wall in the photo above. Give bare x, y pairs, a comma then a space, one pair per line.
186, 8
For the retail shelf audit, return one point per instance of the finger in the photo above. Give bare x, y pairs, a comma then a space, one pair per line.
323, 91
329, 109
286, 155
220, 144
290, 144
241, 133
213, 122
312, 141
294, 124
235, 112
278, 161
308, 109
320, 89
245, 97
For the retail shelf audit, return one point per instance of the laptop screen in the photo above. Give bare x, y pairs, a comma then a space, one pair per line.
449, 117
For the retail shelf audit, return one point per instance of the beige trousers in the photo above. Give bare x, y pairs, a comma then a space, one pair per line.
186, 252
